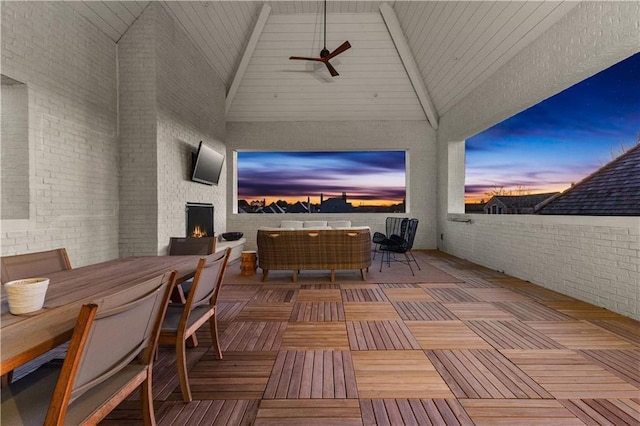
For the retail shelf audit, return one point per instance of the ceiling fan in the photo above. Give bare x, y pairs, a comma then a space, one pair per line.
325, 55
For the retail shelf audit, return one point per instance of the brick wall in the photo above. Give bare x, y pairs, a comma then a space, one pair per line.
594, 259
415, 136
15, 152
69, 69
171, 99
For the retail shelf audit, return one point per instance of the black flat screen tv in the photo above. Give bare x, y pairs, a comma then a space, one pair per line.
207, 165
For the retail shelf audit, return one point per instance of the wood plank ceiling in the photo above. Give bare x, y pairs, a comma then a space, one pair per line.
456, 44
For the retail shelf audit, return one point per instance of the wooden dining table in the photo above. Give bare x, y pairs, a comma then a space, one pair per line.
24, 337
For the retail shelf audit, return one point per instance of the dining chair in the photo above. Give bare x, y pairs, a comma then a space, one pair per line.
400, 244
31, 265
187, 246
110, 355
183, 320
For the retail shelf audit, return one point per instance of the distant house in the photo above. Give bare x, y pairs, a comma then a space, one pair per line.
474, 208
335, 205
299, 207
612, 190
516, 204
271, 208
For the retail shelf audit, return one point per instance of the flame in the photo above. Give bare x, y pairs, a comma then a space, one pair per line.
198, 232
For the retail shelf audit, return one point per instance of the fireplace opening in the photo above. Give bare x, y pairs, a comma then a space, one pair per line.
199, 220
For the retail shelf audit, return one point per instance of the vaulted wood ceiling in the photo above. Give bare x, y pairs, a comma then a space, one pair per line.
456, 45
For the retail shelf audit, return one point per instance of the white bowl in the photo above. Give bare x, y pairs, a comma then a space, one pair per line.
26, 295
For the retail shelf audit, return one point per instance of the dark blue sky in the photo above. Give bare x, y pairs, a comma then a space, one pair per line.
368, 177
560, 140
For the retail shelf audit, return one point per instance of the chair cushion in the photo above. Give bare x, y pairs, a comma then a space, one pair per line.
339, 223
315, 224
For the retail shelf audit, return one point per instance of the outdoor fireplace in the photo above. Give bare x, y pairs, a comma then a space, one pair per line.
199, 220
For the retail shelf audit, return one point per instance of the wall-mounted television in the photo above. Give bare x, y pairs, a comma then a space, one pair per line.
207, 165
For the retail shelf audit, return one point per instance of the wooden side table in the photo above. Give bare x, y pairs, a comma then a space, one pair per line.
248, 262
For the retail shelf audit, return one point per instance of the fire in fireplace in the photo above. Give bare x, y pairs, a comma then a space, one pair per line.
199, 220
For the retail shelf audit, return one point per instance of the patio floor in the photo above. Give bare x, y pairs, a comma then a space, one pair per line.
456, 344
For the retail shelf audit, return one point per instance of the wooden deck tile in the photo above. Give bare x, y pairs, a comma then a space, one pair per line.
397, 374
582, 310
580, 335
208, 412
623, 363
317, 312
407, 294
541, 294
413, 412
363, 295
423, 311
426, 286
315, 335
452, 295
271, 295
484, 374
227, 311
309, 412
512, 335
532, 311
234, 292
473, 281
165, 373
445, 335
319, 286
626, 328
370, 311
328, 295
252, 336
238, 375
398, 285
265, 312
382, 335
496, 294
568, 375
605, 411
518, 412
312, 374
477, 310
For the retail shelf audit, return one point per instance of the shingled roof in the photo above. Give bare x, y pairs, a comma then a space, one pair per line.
613, 190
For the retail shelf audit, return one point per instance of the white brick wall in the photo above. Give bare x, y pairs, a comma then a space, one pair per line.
15, 152
169, 101
594, 259
416, 136
69, 69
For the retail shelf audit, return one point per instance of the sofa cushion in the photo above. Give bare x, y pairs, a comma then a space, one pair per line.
337, 224
362, 228
295, 224
274, 228
315, 224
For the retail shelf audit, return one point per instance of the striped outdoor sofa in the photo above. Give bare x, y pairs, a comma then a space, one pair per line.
308, 249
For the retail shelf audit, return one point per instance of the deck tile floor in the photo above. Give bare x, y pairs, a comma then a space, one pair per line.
477, 348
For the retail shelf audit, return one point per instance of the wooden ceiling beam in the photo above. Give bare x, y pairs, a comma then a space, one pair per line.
246, 57
410, 65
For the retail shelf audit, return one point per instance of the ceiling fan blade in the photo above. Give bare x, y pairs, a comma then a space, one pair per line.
344, 46
332, 70
304, 58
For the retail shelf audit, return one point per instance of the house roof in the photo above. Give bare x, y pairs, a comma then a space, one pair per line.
522, 201
612, 190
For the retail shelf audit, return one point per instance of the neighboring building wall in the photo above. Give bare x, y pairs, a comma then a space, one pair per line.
173, 100
415, 136
69, 67
592, 259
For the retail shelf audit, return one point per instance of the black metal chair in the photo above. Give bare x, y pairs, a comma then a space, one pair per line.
393, 226
400, 244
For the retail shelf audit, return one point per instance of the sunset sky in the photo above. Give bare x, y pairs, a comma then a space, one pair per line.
560, 140
369, 178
